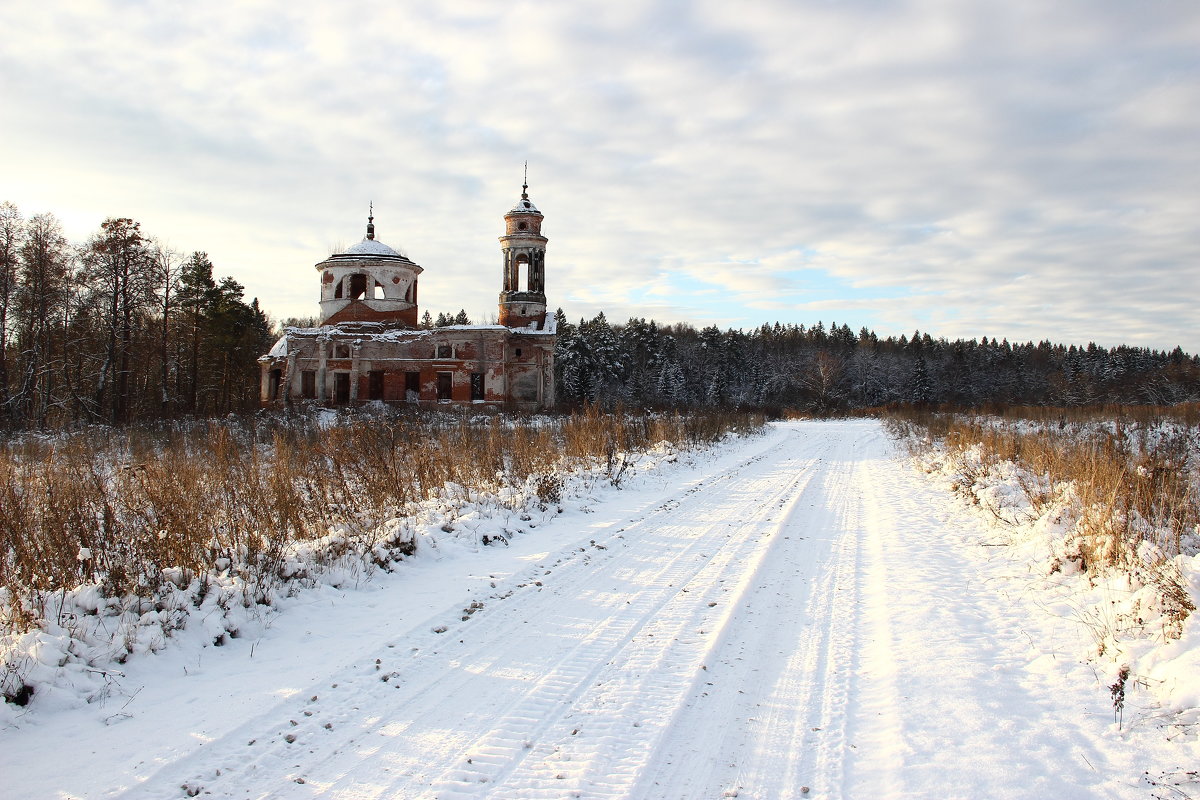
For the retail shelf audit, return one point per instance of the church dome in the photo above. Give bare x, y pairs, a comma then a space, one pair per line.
524, 206
371, 247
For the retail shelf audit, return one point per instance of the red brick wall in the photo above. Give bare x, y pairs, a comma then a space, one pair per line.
358, 311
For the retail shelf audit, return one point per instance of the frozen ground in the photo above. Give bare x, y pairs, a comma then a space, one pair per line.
803, 615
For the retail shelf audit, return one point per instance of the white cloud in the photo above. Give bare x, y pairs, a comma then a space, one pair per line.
921, 155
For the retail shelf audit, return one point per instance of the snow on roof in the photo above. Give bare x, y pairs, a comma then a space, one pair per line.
280, 349
372, 247
525, 207
377, 332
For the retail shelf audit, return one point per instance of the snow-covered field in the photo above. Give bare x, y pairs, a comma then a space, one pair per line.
800, 614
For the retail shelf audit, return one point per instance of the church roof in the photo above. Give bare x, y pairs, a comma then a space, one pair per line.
371, 247
524, 206
368, 248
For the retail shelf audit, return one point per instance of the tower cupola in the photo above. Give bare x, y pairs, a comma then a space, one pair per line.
369, 282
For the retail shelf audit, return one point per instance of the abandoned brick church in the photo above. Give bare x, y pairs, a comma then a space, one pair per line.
369, 346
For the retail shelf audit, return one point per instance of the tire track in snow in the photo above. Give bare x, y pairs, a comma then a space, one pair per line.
771, 722
877, 694
593, 723
363, 737
837, 611
953, 702
640, 691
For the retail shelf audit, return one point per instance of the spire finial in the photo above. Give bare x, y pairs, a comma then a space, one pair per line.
525, 184
371, 221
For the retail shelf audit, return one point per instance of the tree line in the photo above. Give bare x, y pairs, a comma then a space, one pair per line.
828, 370
118, 328
122, 328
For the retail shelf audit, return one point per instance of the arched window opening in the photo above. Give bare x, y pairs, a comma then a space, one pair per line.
524, 226
522, 273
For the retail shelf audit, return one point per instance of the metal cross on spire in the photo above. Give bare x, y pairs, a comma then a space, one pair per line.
525, 184
371, 220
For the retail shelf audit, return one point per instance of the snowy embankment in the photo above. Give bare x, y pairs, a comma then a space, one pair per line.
796, 615
1143, 632
86, 638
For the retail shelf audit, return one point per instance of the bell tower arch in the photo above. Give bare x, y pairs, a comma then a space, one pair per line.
523, 289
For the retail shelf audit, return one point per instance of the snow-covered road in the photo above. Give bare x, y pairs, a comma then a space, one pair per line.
801, 617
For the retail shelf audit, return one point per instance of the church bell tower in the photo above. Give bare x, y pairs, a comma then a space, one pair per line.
523, 295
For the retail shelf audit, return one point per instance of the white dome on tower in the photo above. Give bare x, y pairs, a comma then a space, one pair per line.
524, 205
371, 247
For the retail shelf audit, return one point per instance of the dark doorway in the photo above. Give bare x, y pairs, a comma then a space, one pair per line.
445, 381
412, 386
375, 385
476, 385
341, 387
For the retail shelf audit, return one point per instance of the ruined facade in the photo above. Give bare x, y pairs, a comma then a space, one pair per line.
369, 346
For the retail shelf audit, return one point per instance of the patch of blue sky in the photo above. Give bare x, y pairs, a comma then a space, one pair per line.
802, 297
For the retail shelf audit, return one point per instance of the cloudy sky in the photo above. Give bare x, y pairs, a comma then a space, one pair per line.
1021, 168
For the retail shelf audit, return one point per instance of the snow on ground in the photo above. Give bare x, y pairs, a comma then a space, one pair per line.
798, 615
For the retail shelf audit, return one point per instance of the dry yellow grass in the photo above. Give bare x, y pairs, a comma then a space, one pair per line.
120, 507
1135, 472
